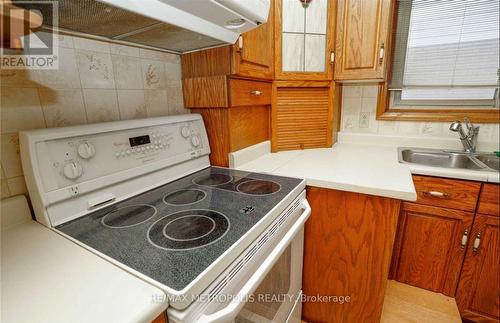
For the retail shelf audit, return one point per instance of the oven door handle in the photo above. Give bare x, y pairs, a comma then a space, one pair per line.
230, 311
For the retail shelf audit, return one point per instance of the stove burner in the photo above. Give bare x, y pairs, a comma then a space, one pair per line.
128, 216
258, 187
187, 230
184, 197
212, 179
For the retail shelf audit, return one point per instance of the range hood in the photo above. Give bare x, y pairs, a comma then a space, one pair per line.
174, 25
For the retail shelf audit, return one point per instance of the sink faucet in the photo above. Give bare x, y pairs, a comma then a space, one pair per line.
469, 139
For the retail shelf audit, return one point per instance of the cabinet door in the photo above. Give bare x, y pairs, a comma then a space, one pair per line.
478, 293
430, 247
361, 40
304, 39
253, 54
302, 115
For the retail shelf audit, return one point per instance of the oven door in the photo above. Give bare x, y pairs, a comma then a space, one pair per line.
268, 290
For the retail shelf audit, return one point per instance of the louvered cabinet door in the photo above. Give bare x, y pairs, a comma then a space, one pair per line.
302, 114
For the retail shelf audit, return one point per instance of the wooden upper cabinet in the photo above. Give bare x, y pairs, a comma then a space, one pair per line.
478, 293
362, 39
252, 55
304, 39
430, 247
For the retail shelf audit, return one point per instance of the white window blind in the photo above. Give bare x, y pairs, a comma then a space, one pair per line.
447, 49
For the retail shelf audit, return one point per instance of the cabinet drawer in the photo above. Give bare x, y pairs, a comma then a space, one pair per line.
489, 201
246, 93
447, 193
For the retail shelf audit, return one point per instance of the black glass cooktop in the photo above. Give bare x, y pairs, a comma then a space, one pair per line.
174, 232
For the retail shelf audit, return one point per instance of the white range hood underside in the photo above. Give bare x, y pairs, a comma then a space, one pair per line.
174, 25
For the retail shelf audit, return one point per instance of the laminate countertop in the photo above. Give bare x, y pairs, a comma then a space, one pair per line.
359, 163
48, 278
348, 167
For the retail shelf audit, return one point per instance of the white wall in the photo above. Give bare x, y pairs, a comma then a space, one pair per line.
96, 81
358, 100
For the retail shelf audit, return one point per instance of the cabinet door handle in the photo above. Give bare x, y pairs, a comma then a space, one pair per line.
381, 53
256, 92
332, 57
477, 243
437, 194
465, 237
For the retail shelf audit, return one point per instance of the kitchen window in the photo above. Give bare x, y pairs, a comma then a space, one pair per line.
445, 61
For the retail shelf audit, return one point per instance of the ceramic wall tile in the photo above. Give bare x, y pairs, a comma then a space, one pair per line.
19, 78
82, 90
131, 104
4, 189
315, 53
157, 55
153, 74
368, 104
351, 105
127, 72
156, 103
67, 75
293, 52
118, 49
316, 17
387, 127
17, 185
91, 45
292, 16
96, 70
175, 99
20, 110
351, 91
101, 105
350, 122
370, 91
62, 108
173, 71
431, 129
11, 161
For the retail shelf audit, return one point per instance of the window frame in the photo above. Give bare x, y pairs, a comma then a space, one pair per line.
430, 113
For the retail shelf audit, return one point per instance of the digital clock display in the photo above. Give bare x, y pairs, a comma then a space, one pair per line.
140, 140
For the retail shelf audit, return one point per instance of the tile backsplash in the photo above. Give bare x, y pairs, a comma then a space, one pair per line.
359, 105
96, 81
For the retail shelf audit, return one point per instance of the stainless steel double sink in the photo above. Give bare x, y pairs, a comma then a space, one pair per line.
449, 159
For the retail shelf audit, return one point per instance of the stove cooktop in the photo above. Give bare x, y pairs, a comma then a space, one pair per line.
174, 232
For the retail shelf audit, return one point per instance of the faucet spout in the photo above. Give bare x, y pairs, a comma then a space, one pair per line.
469, 139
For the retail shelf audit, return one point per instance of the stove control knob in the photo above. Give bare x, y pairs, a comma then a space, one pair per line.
185, 131
72, 170
195, 140
86, 150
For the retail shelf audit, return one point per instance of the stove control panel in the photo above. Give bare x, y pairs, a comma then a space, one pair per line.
68, 161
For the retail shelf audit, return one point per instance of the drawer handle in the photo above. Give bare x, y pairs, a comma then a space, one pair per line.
477, 243
437, 194
256, 92
465, 237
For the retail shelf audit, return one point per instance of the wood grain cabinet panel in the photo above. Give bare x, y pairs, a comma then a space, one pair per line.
254, 58
478, 293
302, 115
447, 193
362, 37
489, 201
248, 93
347, 251
428, 252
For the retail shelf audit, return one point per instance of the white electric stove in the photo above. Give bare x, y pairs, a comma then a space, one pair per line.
224, 245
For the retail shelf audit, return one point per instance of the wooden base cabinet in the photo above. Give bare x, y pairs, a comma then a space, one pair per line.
430, 247
443, 246
478, 293
347, 252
